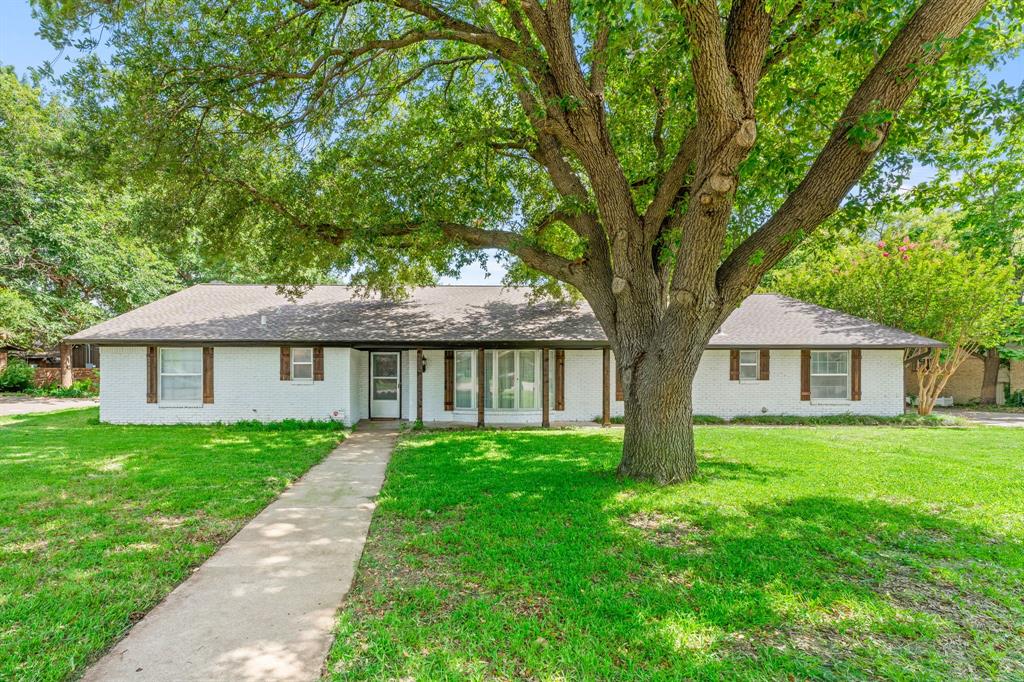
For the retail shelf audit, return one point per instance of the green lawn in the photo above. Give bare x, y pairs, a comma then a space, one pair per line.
99, 522
798, 553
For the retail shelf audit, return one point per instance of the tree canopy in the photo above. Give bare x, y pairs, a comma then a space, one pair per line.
67, 259
323, 135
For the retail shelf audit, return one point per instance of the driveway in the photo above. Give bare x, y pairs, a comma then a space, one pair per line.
21, 404
986, 418
263, 607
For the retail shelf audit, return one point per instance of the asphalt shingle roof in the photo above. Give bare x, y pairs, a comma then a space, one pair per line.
228, 313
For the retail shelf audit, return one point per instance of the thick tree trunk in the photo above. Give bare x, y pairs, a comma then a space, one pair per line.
658, 443
990, 377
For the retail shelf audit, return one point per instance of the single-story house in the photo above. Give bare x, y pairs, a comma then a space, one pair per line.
471, 354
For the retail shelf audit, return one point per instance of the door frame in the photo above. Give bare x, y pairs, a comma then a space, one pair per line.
369, 382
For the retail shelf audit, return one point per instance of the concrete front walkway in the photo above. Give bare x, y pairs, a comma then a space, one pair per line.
263, 607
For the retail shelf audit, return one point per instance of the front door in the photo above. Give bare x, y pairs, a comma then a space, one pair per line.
385, 387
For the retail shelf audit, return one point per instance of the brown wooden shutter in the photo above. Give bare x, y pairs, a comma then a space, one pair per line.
207, 375
559, 379
855, 374
449, 380
286, 363
763, 373
734, 365
618, 383
318, 363
805, 374
151, 374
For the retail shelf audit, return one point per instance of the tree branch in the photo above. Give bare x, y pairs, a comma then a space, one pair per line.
842, 161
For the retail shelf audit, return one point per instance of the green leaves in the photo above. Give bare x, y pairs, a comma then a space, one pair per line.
919, 281
67, 258
356, 116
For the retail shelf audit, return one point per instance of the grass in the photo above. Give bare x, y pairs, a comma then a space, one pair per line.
813, 553
99, 522
823, 420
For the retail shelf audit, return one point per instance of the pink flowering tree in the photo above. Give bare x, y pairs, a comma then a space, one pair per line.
925, 285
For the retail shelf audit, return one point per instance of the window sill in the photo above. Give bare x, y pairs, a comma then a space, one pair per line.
179, 405
831, 401
301, 382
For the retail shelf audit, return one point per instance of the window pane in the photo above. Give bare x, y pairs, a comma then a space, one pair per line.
464, 388
828, 387
385, 365
748, 364
488, 379
385, 389
181, 360
829, 362
181, 388
302, 371
527, 379
506, 379
302, 355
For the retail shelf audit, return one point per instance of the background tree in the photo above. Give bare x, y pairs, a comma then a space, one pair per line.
980, 180
67, 259
926, 285
659, 158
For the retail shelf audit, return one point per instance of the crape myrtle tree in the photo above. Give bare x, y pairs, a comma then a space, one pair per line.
983, 175
656, 158
920, 280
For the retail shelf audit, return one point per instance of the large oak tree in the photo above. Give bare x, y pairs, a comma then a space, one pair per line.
657, 157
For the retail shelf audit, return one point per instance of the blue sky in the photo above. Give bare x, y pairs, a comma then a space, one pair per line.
22, 48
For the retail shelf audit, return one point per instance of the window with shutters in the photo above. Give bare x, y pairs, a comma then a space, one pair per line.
302, 364
749, 367
181, 376
830, 375
512, 379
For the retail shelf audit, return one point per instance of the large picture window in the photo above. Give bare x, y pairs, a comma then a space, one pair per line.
830, 375
512, 379
181, 375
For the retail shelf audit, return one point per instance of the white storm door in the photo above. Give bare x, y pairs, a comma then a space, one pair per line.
384, 385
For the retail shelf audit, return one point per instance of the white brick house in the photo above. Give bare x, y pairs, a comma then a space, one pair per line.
224, 353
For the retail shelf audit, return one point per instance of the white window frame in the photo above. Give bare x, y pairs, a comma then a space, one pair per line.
490, 354
161, 374
846, 374
756, 365
303, 380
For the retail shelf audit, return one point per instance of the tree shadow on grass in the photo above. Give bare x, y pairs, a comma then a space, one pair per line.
519, 555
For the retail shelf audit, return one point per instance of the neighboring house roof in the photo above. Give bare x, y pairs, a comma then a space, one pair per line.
453, 315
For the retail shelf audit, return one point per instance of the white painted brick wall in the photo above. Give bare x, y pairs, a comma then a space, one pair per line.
714, 394
247, 386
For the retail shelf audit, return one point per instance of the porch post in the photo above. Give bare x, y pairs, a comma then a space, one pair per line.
480, 388
65, 366
545, 399
606, 411
419, 384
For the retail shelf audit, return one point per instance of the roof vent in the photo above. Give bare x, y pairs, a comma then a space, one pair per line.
263, 320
